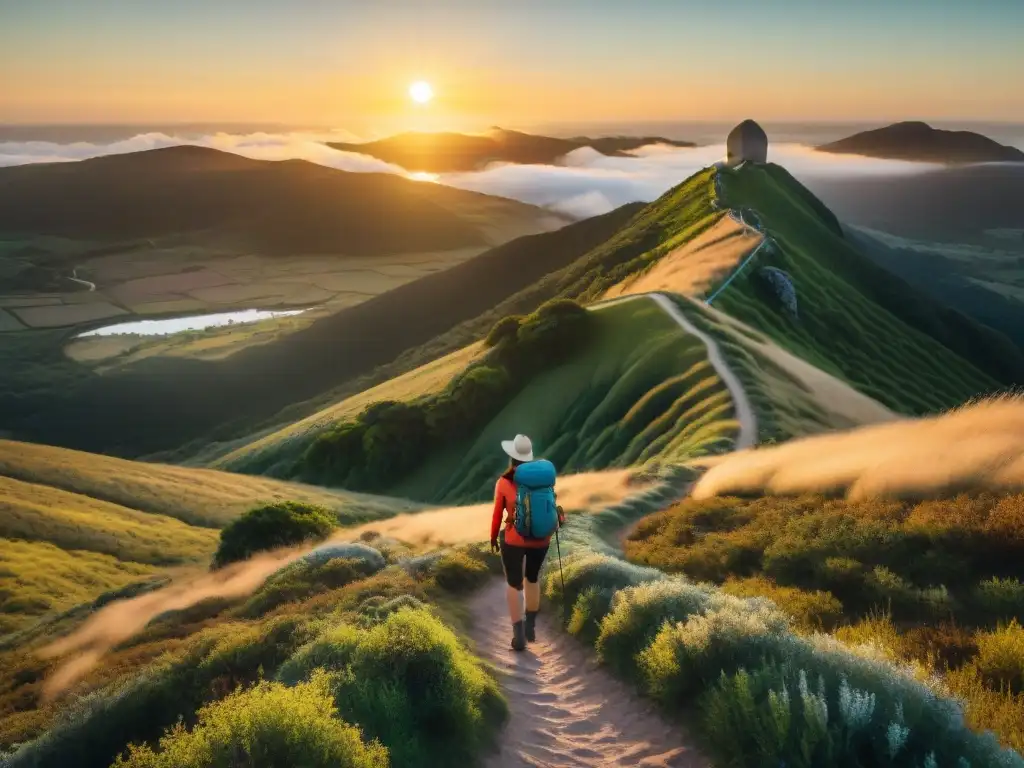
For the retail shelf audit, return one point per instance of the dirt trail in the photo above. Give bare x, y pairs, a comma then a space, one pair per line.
565, 710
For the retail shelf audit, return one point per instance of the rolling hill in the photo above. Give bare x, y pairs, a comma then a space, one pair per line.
457, 152
920, 142
76, 525
197, 195
862, 323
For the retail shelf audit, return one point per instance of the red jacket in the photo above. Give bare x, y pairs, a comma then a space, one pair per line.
505, 502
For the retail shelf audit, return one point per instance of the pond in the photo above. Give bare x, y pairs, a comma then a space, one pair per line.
169, 325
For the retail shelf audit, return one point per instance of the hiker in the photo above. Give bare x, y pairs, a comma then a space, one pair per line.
525, 492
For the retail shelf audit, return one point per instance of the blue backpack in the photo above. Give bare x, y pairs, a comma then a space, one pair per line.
536, 512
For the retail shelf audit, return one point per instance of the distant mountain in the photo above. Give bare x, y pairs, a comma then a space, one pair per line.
919, 141
453, 152
202, 195
950, 204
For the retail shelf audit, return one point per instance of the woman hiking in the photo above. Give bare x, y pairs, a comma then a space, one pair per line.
527, 485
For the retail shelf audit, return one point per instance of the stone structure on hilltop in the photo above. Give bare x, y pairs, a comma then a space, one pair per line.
747, 142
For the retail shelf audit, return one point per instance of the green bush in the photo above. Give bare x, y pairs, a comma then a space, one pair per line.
505, 330
638, 613
457, 571
331, 651
811, 610
269, 726
412, 684
304, 579
1001, 599
589, 611
1001, 657
282, 524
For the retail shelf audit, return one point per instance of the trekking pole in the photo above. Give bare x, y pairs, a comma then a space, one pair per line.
558, 547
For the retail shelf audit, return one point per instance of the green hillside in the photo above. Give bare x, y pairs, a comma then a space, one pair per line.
612, 403
76, 525
857, 320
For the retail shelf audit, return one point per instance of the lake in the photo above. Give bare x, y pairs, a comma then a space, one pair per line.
169, 325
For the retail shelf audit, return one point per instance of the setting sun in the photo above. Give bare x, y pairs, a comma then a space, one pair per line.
421, 92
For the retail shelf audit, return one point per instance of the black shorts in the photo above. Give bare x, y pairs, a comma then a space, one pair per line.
512, 558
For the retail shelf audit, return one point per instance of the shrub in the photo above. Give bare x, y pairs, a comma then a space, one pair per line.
638, 613
331, 651
554, 330
371, 556
456, 571
1001, 657
302, 579
504, 330
411, 684
269, 726
809, 609
1000, 599
283, 524
590, 569
588, 611
687, 656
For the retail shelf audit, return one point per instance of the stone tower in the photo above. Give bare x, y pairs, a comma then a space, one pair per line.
747, 142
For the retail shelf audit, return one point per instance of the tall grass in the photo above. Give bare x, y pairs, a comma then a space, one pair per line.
762, 693
396, 671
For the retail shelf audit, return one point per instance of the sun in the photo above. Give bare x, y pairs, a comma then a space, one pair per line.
421, 92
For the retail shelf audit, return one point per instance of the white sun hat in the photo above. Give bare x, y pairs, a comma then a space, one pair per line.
519, 448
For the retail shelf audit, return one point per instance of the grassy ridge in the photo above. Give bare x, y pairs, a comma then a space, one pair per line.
786, 404
614, 403
679, 215
857, 321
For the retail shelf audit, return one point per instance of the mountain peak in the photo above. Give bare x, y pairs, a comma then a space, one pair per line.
917, 141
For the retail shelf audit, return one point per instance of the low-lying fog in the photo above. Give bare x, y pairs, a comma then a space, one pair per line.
586, 183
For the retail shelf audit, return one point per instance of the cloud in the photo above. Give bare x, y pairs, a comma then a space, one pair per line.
258, 146
589, 183
584, 183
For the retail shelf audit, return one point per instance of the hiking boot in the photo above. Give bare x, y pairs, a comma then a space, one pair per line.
518, 636
531, 626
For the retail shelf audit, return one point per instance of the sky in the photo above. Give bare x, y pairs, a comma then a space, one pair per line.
342, 63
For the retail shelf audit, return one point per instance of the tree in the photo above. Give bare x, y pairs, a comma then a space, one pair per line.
282, 524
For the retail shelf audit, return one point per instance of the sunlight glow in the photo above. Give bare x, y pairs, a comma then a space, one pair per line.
423, 176
421, 92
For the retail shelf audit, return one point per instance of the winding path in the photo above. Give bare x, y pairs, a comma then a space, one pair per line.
565, 710
741, 402
76, 279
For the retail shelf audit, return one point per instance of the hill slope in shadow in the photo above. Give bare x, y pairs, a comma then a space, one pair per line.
162, 403
201, 195
951, 204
